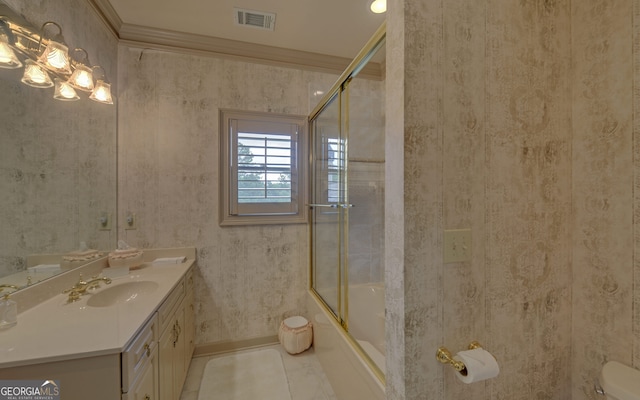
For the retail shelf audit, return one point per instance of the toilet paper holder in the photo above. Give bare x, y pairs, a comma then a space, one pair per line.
444, 356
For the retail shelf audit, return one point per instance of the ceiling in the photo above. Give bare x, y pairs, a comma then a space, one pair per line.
338, 28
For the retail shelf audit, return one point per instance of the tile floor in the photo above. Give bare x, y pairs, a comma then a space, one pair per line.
306, 378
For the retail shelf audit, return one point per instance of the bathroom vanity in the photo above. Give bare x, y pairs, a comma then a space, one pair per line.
131, 339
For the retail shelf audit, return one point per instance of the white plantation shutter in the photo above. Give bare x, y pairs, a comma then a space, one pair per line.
263, 164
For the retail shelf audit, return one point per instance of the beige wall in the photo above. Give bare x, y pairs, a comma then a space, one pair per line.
604, 156
517, 123
249, 277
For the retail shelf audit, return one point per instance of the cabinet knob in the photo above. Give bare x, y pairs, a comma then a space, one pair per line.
147, 349
147, 397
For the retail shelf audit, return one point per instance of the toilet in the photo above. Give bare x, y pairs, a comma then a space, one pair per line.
620, 382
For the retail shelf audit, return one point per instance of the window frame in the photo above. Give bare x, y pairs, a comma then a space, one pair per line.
231, 212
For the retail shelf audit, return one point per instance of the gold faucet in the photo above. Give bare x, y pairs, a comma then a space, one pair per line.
7, 286
81, 287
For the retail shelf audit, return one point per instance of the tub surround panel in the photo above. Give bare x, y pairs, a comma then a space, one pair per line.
350, 378
603, 156
249, 278
366, 185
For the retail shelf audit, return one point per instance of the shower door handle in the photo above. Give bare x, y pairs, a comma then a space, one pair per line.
331, 205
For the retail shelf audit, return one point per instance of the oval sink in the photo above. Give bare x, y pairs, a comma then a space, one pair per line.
121, 293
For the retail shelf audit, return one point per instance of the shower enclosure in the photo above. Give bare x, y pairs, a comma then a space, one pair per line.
347, 205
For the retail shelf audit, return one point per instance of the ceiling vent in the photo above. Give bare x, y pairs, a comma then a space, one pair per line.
255, 19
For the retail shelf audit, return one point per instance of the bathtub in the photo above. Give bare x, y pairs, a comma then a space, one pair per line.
344, 357
366, 319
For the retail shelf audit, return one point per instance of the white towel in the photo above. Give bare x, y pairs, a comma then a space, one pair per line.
170, 260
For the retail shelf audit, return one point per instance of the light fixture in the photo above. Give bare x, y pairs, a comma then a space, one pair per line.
102, 91
82, 76
55, 56
8, 58
378, 6
45, 57
64, 91
35, 75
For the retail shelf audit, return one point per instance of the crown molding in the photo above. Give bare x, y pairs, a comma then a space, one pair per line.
153, 38
108, 14
161, 39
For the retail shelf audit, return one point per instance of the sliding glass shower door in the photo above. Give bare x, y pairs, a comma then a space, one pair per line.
327, 212
347, 205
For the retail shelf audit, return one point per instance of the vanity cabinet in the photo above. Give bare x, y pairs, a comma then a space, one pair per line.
140, 364
155, 365
176, 343
128, 351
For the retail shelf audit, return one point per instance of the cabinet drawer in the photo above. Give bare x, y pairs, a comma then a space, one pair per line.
145, 385
167, 309
142, 347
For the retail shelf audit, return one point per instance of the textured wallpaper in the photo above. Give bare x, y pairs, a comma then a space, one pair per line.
604, 327
249, 277
517, 122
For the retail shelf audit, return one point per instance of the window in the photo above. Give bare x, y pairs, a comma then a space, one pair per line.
335, 164
261, 168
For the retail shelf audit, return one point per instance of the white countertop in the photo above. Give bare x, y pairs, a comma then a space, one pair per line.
55, 330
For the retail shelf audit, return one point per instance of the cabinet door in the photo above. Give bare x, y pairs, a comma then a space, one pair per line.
165, 363
146, 385
176, 345
179, 353
172, 353
190, 317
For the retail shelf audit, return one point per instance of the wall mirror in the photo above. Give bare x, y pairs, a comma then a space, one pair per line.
57, 179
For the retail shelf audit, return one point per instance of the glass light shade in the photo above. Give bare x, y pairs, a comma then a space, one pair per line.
55, 57
379, 6
35, 76
102, 92
8, 58
82, 78
64, 91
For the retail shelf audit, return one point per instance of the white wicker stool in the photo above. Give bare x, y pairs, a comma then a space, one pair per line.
295, 334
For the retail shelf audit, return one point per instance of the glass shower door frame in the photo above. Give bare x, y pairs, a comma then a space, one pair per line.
327, 211
326, 122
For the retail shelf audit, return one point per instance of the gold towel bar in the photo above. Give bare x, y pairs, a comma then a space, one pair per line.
444, 356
